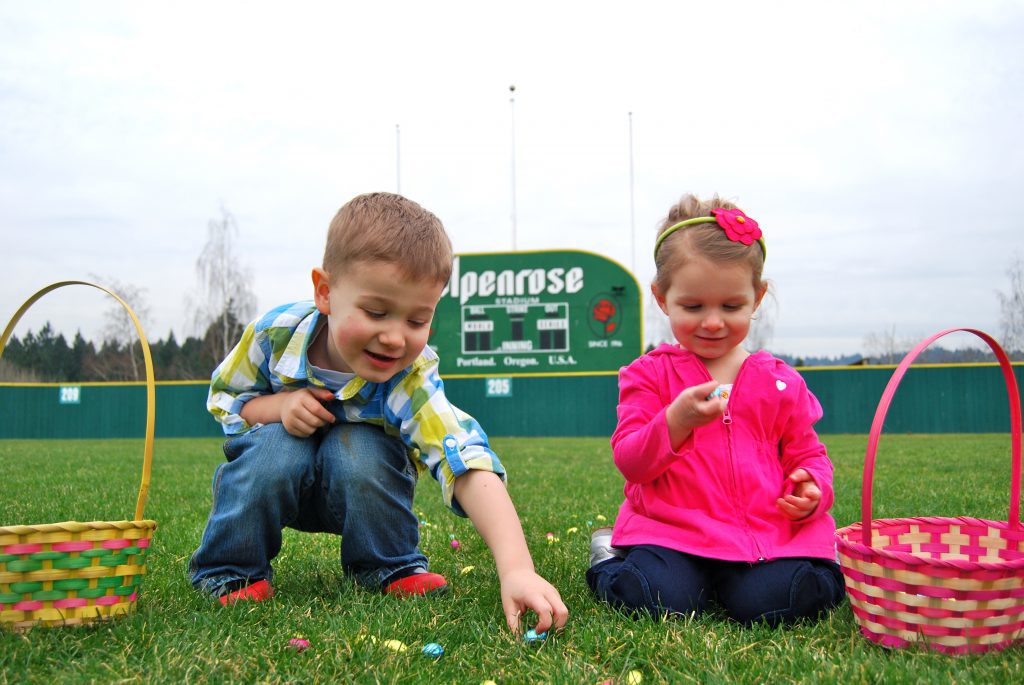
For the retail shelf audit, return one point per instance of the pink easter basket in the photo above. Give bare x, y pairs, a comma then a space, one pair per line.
952, 585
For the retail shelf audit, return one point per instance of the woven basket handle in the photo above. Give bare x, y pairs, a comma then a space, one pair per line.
150, 384
883, 407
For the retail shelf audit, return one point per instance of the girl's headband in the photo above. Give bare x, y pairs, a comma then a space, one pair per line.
738, 228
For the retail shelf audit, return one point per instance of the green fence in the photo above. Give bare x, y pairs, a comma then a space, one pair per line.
102, 410
954, 398
931, 399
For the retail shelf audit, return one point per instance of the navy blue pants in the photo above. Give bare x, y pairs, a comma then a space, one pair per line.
660, 581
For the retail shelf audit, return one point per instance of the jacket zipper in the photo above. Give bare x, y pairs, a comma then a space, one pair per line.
727, 421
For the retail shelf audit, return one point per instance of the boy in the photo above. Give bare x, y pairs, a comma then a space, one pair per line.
327, 403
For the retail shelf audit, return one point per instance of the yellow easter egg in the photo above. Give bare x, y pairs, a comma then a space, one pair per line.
395, 645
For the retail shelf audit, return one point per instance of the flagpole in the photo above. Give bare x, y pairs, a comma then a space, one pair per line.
632, 213
512, 113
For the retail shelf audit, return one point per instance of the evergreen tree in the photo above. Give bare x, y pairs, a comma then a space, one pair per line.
197, 362
82, 352
165, 357
15, 353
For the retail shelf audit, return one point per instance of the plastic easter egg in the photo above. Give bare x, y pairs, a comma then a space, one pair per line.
298, 644
533, 636
433, 650
396, 645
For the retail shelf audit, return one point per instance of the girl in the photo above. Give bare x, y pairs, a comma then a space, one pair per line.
727, 485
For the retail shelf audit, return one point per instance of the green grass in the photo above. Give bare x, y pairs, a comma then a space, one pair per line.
558, 484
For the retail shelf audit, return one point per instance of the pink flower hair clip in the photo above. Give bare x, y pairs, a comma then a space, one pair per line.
738, 228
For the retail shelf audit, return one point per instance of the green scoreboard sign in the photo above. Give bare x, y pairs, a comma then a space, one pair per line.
550, 312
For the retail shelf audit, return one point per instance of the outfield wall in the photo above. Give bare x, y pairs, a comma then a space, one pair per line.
968, 398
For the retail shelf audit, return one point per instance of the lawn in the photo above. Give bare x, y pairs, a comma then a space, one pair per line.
560, 486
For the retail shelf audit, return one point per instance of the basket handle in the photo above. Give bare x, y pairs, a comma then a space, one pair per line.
883, 407
147, 458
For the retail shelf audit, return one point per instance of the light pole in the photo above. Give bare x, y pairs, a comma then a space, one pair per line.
512, 114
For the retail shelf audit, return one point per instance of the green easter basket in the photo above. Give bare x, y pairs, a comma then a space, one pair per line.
73, 573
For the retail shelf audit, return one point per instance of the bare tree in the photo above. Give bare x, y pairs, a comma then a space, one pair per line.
118, 328
10, 373
1012, 306
885, 347
225, 299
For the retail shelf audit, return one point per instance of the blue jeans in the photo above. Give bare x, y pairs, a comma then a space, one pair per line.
350, 479
657, 580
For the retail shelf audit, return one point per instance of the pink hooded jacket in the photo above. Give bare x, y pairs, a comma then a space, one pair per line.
715, 497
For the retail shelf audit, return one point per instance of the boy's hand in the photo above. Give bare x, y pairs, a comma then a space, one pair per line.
804, 499
302, 411
484, 498
522, 590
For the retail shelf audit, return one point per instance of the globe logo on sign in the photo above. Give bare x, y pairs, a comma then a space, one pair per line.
605, 315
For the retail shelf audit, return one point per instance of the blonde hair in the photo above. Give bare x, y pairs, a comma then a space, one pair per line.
701, 240
386, 227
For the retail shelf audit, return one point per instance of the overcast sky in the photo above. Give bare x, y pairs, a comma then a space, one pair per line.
879, 144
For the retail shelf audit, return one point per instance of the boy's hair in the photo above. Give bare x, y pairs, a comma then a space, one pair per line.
704, 240
386, 227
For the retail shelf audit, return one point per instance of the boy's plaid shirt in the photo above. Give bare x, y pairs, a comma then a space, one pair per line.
271, 357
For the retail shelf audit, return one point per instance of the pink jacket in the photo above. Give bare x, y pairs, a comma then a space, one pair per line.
715, 497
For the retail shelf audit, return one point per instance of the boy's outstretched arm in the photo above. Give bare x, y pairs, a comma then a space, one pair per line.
485, 500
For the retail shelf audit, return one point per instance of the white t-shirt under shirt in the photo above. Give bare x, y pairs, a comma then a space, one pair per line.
334, 380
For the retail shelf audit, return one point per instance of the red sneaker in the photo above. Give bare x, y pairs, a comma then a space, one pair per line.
255, 592
424, 583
